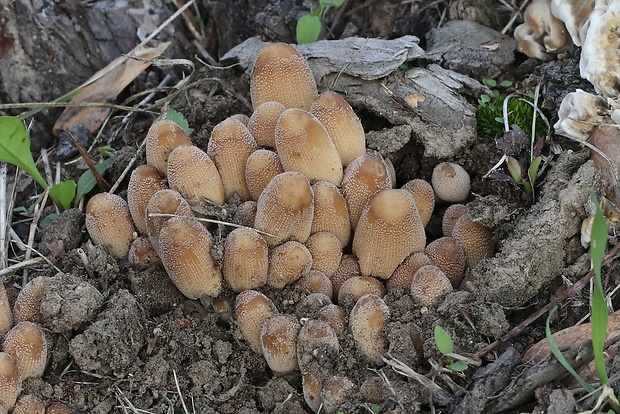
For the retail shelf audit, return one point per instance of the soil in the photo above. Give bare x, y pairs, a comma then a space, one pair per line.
124, 339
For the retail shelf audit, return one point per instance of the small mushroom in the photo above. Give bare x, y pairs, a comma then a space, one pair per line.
326, 252
109, 223
27, 306
424, 197
312, 384
262, 124
278, 337
315, 281
6, 316
450, 216
449, 256
357, 286
451, 182
331, 213
26, 343
349, 266
163, 136
252, 309
142, 254
10, 381
429, 286
368, 318
287, 263
167, 202
262, 165
145, 181
336, 391
28, 404
403, 275
317, 345
475, 238
245, 261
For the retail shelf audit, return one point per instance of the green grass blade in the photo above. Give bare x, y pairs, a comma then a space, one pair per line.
558, 354
15, 147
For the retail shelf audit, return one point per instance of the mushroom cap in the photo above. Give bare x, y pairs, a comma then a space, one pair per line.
403, 274
349, 266
450, 216
109, 223
575, 15
344, 127
317, 345
336, 391
229, 147
475, 238
357, 286
245, 261
164, 201
27, 306
145, 181
579, 113
185, 250
304, 145
163, 136
449, 257
429, 286
285, 209
262, 165
451, 182
193, 174
326, 252
541, 35
142, 254
28, 404
26, 343
309, 305
262, 124
287, 263
6, 316
424, 197
252, 308
315, 281
389, 230
281, 74
279, 343
312, 384
10, 381
363, 178
331, 213
335, 316
367, 320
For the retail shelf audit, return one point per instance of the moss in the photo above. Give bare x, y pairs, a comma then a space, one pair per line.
491, 119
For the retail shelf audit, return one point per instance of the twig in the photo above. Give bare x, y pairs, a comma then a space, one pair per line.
128, 167
38, 211
103, 184
4, 218
176, 382
206, 220
514, 17
21, 265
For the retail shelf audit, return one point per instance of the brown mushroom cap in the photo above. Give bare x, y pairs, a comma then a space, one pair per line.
262, 165
312, 384
451, 182
252, 308
279, 343
163, 202
185, 250
367, 320
193, 174
281, 74
429, 286
335, 316
389, 230
6, 316
342, 124
144, 182
10, 381
326, 252
26, 343
450, 216
142, 254
357, 286
331, 213
424, 197
57, 407
403, 274
245, 261
542, 35
28, 404
363, 178
336, 391
109, 223
229, 147
27, 306
163, 137
449, 257
262, 124
287, 263
304, 145
348, 267
309, 305
285, 209
315, 281
317, 345
475, 238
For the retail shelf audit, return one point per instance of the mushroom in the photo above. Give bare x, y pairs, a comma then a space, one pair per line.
575, 16
142, 254
278, 338
163, 137
287, 262
166, 202
28, 404
262, 165
451, 182
312, 384
424, 197
450, 216
403, 275
368, 318
315, 281
579, 113
252, 308
348, 267
331, 213
326, 252
429, 286
26, 343
109, 224
475, 238
245, 261
145, 181
357, 286
27, 306
10, 381
317, 346
449, 257
281, 74
6, 316
262, 124
336, 391
335, 316
304, 145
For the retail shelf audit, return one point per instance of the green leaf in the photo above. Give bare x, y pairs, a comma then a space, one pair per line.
489, 83
514, 168
107, 151
533, 170
87, 181
62, 194
308, 29
443, 340
458, 366
376, 409
335, 3
505, 83
179, 119
485, 99
47, 220
15, 147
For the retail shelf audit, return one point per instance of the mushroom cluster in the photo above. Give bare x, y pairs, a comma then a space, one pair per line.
315, 210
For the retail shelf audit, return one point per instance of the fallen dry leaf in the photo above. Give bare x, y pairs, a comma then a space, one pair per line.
413, 99
494, 46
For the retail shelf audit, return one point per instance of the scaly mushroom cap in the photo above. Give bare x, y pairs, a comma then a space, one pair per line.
26, 343
261, 167
475, 238
281, 74
450, 216
389, 230
163, 202
142, 254
363, 178
541, 35
262, 124
579, 113
331, 213
429, 286
424, 197
163, 137
449, 257
245, 261
357, 286
193, 174
304, 145
229, 147
349, 266
185, 249
252, 309
6, 316
285, 209
317, 345
367, 320
335, 316
144, 182
451, 182
27, 306
244, 119
279, 343
336, 391
287, 262
342, 124
326, 252
403, 274
312, 384
315, 281
28, 404
109, 224
10, 381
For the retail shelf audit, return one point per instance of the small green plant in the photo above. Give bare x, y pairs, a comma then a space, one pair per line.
446, 347
309, 26
599, 317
